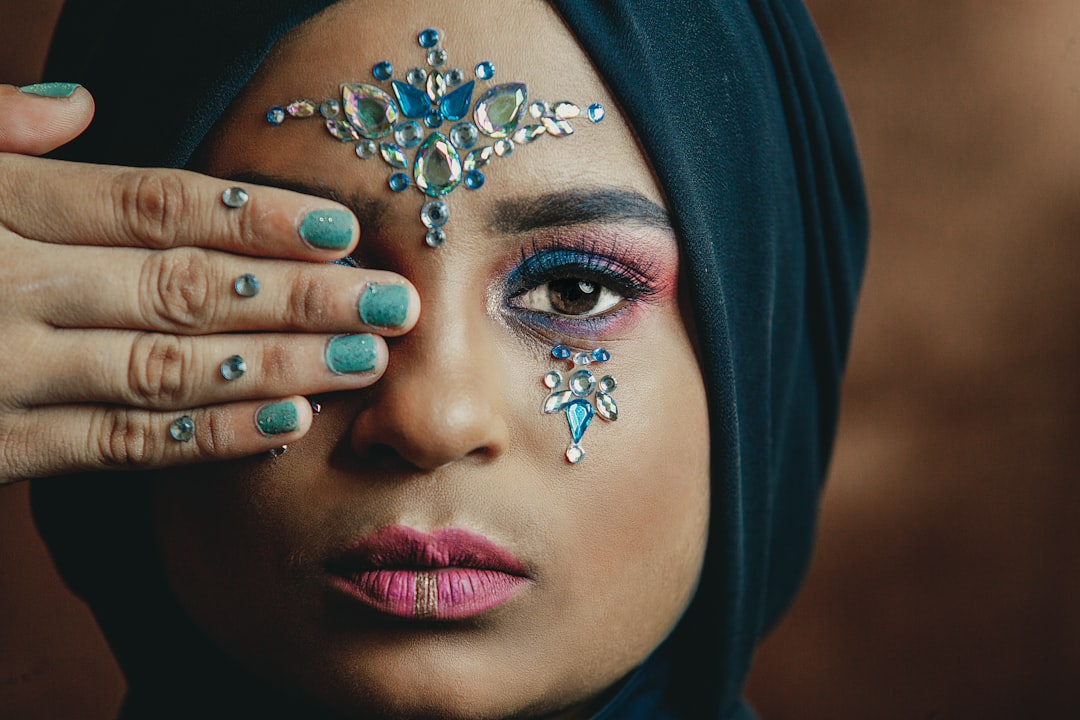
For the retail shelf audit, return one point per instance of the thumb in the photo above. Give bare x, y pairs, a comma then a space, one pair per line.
38, 118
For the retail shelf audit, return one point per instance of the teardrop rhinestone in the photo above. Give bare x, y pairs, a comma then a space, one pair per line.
414, 101
529, 133
366, 149
606, 407
301, 109
579, 415
566, 110
437, 169
371, 110
478, 158
582, 382
464, 135
456, 105
393, 155
329, 109
553, 379
608, 384
342, 130
409, 133
436, 86
557, 127
557, 401
596, 112
434, 214
499, 110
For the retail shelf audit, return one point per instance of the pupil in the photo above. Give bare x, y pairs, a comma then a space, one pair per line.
572, 296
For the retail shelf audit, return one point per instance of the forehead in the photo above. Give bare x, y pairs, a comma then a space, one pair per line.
526, 42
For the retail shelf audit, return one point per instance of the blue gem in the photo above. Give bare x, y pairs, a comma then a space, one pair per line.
456, 105
275, 115
474, 180
601, 355
560, 352
399, 181
596, 112
433, 119
429, 38
383, 71
413, 101
579, 414
485, 70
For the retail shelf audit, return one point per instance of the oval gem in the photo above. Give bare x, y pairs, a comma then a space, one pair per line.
371, 110
500, 109
478, 158
342, 130
606, 407
438, 166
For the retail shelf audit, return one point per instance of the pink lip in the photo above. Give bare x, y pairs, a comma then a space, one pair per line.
448, 574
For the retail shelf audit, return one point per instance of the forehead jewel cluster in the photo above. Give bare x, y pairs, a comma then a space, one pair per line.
420, 126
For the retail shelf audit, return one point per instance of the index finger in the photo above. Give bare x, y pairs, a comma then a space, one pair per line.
82, 204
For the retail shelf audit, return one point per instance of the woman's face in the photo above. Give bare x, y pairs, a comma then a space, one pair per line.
283, 562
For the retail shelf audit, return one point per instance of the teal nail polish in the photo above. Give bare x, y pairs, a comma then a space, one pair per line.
351, 354
385, 305
51, 89
327, 229
277, 419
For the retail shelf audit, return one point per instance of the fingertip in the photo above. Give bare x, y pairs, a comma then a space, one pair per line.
40, 118
284, 420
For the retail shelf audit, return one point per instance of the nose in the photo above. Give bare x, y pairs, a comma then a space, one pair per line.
441, 400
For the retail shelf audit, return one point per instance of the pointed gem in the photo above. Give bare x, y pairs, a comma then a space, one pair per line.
456, 105
414, 101
557, 401
529, 133
557, 127
500, 109
579, 415
606, 407
438, 166
566, 110
436, 86
393, 155
301, 109
371, 110
342, 130
478, 158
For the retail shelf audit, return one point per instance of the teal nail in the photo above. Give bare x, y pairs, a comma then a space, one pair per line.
51, 89
351, 354
277, 419
327, 229
385, 305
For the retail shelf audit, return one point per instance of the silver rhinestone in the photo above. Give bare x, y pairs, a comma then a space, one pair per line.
583, 358
233, 368
234, 197
278, 451
247, 285
553, 379
582, 383
366, 149
416, 76
608, 384
434, 214
435, 237
329, 109
182, 429
316, 408
436, 57
575, 454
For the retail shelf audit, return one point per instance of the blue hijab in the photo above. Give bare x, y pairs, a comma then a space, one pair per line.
738, 110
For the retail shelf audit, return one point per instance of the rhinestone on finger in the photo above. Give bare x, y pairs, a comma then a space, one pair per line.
247, 285
233, 368
278, 451
235, 197
182, 429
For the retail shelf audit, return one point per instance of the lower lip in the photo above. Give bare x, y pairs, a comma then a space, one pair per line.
437, 594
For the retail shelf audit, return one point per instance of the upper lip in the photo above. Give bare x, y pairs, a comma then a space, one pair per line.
403, 548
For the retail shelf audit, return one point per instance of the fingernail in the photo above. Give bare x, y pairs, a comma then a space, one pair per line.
277, 419
327, 229
385, 305
350, 354
51, 89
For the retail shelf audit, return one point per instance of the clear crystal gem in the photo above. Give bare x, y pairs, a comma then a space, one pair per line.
478, 158
608, 384
464, 135
234, 197
301, 109
366, 149
436, 57
182, 429
398, 182
278, 451
414, 102
247, 285
438, 166
383, 71
582, 382
474, 179
560, 352
369, 109
575, 454
485, 70
342, 130
600, 354
566, 110
539, 109
275, 115
429, 38
606, 407
409, 133
454, 77
583, 358
499, 110
557, 401
434, 214
393, 155
504, 147
435, 237
579, 414
529, 133
456, 105
596, 112
329, 109
233, 368
557, 127
416, 76
436, 86
553, 379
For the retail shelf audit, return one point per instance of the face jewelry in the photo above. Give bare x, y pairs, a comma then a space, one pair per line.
233, 368
182, 429
573, 400
247, 285
316, 409
234, 197
405, 129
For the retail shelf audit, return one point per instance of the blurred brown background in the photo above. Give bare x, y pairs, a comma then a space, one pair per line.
946, 582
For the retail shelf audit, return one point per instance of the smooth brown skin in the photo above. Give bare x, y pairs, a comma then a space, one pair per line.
452, 435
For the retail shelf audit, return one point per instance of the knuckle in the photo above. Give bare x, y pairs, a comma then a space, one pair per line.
308, 303
124, 439
217, 433
152, 204
277, 364
178, 289
157, 367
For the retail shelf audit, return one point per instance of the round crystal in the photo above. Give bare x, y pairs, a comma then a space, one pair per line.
275, 115
329, 109
429, 38
433, 119
553, 379
301, 109
474, 180
436, 57
409, 133
247, 285
560, 352
366, 149
575, 454
435, 237
434, 214
233, 368
182, 429
504, 147
383, 71
454, 77
234, 197
416, 76
596, 112
485, 70
582, 358
608, 384
464, 135
399, 181
599, 354
582, 383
